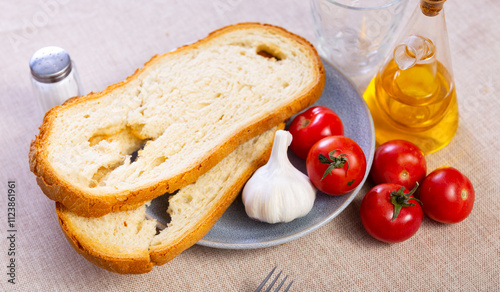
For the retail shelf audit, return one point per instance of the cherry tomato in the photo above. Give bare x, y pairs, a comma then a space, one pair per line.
336, 165
390, 213
399, 162
311, 126
447, 195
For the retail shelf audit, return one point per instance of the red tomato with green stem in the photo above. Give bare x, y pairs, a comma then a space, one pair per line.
447, 195
399, 162
336, 165
390, 213
311, 126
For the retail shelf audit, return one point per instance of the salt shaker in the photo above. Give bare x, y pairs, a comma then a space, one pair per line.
54, 77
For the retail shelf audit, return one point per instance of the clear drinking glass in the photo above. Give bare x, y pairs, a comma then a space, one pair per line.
355, 34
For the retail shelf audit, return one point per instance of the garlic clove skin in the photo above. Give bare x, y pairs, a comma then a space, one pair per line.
278, 192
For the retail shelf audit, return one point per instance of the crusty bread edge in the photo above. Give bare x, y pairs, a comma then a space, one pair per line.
84, 204
131, 264
158, 255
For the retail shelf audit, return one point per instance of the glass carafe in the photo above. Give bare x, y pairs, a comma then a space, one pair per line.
413, 95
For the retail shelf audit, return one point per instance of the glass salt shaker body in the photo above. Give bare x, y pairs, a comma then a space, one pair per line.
54, 77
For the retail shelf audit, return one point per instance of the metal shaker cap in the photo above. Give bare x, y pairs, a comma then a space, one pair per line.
50, 64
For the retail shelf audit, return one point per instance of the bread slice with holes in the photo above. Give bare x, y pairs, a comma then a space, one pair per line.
126, 242
185, 110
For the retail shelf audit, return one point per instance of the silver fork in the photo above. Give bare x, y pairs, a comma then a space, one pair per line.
273, 282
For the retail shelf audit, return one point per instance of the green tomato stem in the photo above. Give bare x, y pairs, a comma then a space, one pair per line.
399, 199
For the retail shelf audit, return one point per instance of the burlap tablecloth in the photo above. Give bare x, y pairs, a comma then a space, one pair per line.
110, 39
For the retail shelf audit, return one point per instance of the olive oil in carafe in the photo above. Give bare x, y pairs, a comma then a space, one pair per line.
413, 95
418, 104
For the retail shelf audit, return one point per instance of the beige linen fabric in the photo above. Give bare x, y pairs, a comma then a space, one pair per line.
108, 40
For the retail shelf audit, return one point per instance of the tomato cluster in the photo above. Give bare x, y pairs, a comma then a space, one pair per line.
335, 164
390, 213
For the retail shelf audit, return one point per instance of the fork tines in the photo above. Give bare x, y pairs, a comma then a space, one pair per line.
273, 282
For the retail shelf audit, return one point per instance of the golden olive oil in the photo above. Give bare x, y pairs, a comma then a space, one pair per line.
418, 104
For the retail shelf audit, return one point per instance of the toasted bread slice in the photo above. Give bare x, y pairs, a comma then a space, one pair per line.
126, 242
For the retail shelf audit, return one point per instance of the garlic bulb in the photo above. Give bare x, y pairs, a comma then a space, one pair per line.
278, 192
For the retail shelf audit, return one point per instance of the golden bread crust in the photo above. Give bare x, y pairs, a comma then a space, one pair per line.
132, 264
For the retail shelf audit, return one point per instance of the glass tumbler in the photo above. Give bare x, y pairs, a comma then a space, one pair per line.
356, 34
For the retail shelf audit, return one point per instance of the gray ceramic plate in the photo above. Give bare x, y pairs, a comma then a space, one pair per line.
235, 230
